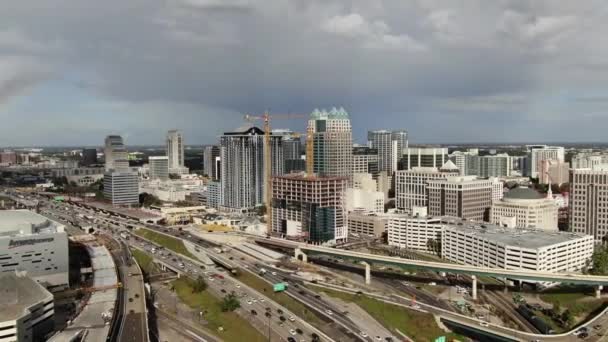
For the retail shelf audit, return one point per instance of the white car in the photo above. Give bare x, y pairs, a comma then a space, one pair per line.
329, 312
484, 324
274, 273
291, 331
291, 319
363, 334
249, 302
238, 286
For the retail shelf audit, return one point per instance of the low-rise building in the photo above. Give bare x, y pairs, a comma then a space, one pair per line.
525, 208
417, 231
28, 309
486, 245
367, 223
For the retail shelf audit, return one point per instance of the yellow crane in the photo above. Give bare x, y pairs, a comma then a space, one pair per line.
268, 157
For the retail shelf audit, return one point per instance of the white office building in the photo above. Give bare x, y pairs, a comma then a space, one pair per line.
115, 153
28, 309
121, 187
365, 200
525, 208
175, 152
411, 185
417, 231
158, 167
538, 153
423, 157
486, 245
589, 203
389, 145
30, 242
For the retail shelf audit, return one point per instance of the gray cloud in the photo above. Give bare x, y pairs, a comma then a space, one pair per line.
400, 63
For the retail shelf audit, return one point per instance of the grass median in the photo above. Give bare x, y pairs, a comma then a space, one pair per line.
171, 243
144, 261
417, 325
281, 298
234, 327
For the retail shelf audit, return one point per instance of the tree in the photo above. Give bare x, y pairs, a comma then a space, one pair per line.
261, 210
146, 200
230, 303
199, 285
174, 176
567, 317
599, 261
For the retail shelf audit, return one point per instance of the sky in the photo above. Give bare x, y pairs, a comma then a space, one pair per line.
73, 71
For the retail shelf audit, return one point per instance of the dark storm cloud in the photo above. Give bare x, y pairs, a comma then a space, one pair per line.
399, 62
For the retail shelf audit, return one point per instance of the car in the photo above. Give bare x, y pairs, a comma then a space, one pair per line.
267, 314
291, 319
329, 312
292, 332
280, 311
274, 273
484, 324
249, 302
223, 290
268, 309
253, 312
363, 334
378, 338
291, 339
262, 300
282, 318
388, 339
299, 331
583, 335
315, 337
415, 306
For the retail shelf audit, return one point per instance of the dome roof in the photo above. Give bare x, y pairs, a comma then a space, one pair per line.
523, 193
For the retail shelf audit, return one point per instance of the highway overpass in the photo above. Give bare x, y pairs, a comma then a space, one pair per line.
569, 278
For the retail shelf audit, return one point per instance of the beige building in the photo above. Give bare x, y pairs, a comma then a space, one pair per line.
553, 172
365, 223
589, 203
411, 185
466, 197
525, 208
417, 231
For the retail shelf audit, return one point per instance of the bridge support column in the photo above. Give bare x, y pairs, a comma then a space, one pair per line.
298, 252
474, 287
368, 272
598, 291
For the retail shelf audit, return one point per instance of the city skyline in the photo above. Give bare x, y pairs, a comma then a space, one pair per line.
430, 69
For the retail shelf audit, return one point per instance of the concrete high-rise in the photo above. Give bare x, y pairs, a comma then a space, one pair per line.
390, 145
175, 149
211, 155
461, 196
538, 153
308, 207
332, 143
365, 160
411, 185
589, 203
121, 187
115, 152
158, 167
423, 157
242, 167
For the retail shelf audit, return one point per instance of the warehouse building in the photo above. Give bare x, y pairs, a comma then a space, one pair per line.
30, 242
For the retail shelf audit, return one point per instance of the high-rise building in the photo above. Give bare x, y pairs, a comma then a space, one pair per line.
214, 194
497, 165
411, 185
242, 167
210, 164
309, 207
121, 187
589, 203
175, 152
365, 160
525, 208
423, 157
460, 196
332, 143
115, 152
538, 153
390, 145
159, 167
89, 156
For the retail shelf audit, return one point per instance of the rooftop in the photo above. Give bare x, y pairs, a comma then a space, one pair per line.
334, 113
13, 222
523, 193
17, 293
517, 237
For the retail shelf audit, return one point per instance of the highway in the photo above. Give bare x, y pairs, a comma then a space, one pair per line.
569, 278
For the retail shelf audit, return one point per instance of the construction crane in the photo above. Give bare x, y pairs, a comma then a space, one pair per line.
268, 158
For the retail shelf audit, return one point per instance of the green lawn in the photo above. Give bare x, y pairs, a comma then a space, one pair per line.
168, 242
235, 327
419, 326
579, 300
144, 261
283, 299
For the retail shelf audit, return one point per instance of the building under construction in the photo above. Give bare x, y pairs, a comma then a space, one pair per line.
309, 207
